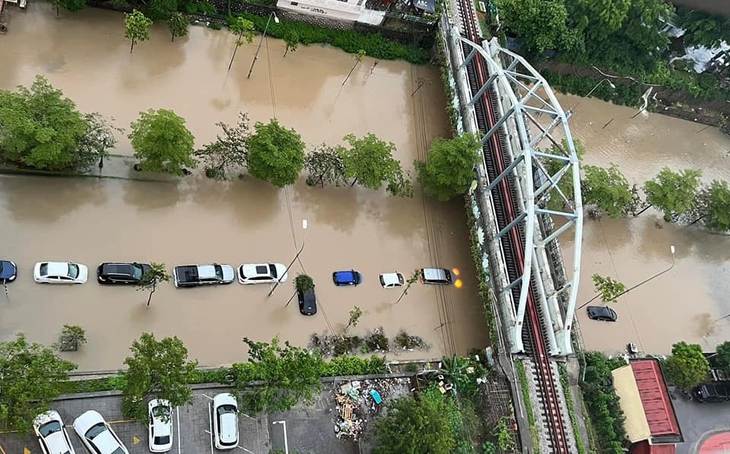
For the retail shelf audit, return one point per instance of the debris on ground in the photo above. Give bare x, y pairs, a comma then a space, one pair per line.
360, 400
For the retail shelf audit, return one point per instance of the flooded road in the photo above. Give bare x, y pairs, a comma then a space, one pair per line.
201, 221
688, 301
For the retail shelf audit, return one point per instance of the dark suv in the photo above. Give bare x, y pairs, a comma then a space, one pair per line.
121, 273
713, 392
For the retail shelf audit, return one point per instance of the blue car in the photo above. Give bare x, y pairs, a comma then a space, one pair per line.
8, 271
350, 277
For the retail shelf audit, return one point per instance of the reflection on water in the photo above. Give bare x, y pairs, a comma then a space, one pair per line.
196, 220
687, 302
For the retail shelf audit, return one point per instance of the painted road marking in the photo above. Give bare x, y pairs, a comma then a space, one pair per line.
2, 450
205, 395
26, 450
135, 440
179, 446
241, 447
210, 424
122, 421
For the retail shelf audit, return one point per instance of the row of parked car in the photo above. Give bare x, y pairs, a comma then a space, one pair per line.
98, 436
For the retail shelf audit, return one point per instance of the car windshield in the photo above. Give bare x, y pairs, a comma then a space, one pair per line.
272, 270
95, 430
118, 451
49, 428
162, 440
162, 412
218, 271
225, 409
44, 269
73, 270
137, 272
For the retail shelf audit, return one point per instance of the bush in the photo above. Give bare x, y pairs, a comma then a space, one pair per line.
602, 401
374, 45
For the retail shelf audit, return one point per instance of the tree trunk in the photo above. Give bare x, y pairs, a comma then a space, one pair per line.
351, 70
131, 48
173, 37
286, 50
405, 290
154, 287
698, 219
645, 208
353, 182
320, 180
234, 51
58, 10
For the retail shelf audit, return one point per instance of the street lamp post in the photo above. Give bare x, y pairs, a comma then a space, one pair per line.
278, 281
256, 55
570, 111
672, 250
286, 440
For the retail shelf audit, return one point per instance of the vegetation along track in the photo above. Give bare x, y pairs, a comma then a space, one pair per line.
506, 210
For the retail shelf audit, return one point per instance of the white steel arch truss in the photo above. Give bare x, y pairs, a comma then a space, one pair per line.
547, 176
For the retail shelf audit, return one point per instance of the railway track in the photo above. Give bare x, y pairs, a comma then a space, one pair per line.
504, 196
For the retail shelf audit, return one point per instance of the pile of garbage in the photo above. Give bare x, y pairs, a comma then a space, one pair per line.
358, 400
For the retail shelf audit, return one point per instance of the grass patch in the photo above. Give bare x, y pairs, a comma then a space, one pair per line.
522, 374
565, 382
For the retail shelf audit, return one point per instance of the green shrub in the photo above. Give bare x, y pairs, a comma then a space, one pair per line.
602, 401
374, 45
214, 26
354, 365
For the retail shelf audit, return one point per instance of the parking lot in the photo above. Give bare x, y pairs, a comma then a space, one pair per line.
191, 427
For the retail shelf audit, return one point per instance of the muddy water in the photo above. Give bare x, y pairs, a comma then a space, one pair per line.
198, 220
687, 302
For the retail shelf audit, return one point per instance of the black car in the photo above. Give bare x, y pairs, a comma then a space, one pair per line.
122, 273
602, 313
715, 392
307, 301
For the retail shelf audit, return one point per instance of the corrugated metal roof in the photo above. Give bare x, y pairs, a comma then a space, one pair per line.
653, 391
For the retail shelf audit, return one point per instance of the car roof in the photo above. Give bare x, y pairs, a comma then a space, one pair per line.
117, 268
390, 278
57, 269
106, 441
435, 274
88, 419
228, 427
57, 443
346, 276
225, 398
206, 272
256, 269
604, 310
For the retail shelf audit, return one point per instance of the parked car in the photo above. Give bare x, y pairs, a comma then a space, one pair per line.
198, 275
160, 425
602, 313
713, 392
225, 421
307, 301
438, 276
8, 271
60, 273
351, 277
52, 436
97, 435
261, 273
392, 280
121, 273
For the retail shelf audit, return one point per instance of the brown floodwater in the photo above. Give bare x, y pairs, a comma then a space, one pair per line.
687, 302
196, 220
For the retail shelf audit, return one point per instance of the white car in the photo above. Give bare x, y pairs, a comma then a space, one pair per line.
96, 434
52, 436
60, 273
160, 428
261, 273
225, 421
391, 280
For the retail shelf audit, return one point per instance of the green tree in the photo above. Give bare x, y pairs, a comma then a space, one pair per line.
723, 355
178, 25
162, 142
161, 9
553, 166
718, 206
687, 367
358, 58
702, 29
156, 274
284, 375
228, 152
369, 161
72, 336
32, 376
673, 192
136, 27
291, 39
159, 369
607, 288
303, 282
68, 5
423, 425
325, 165
354, 318
399, 184
99, 137
243, 29
275, 154
541, 25
450, 167
39, 128
608, 189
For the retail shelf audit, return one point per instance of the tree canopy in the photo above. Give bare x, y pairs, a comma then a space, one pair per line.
673, 192
291, 39
159, 369
40, 128
608, 189
450, 167
32, 376
718, 206
178, 25
422, 425
161, 9
287, 373
325, 165
162, 142
275, 154
723, 355
228, 152
687, 367
607, 288
369, 161
136, 27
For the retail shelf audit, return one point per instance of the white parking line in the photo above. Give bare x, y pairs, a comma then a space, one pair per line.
179, 438
210, 425
241, 447
249, 417
205, 395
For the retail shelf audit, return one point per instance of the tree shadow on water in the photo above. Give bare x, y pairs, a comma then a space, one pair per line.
337, 207
152, 195
48, 199
251, 201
